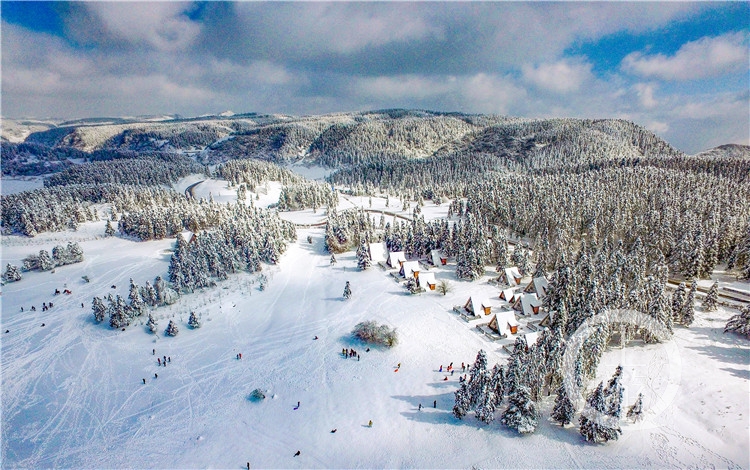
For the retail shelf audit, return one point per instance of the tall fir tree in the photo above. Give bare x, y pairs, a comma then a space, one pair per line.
711, 300
563, 412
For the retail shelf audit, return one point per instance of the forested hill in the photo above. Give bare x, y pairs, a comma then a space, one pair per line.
346, 139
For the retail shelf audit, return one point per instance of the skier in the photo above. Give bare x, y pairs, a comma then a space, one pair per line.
463, 367
420, 407
81, 304
240, 356
398, 366
144, 381
297, 453
165, 359
297, 404
169, 359
434, 404
156, 376
446, 378
369, 425
357, 356
316, 337
158, 360
42, 324
452, 371
333, 430
248, 466
153, 352
441, 368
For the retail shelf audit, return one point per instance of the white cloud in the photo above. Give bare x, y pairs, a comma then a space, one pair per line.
563, 76
645, 92
162, 25
706, 57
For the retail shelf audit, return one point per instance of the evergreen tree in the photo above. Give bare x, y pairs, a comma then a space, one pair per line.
740, 323
521, 413
333, 259
635, 411
151, 324
688, 308
347, 291
75, 253
99, 310
171, 329
486, 399
137, 304
193, 321
12, 273
363, 256
600, 420
678, 302
108, 229
712, 298
462, 403
118, 315
563, 411
45, 261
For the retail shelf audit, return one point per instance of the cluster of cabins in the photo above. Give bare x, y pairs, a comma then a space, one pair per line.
497, 319
407, 269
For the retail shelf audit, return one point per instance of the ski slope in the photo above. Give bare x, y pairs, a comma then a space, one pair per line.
73, 396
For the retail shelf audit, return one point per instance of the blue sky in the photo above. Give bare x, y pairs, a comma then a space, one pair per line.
678, 68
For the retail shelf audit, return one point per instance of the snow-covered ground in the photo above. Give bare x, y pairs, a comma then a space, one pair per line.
73, 396
12, 185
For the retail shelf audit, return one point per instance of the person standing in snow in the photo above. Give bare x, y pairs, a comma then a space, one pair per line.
369, 425
144, 381
434, 404
420, 407
297, 453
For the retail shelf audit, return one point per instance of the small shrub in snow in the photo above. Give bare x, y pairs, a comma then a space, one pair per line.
371, 332
193, 321
258, 395
151, 324
171, 329
347, 291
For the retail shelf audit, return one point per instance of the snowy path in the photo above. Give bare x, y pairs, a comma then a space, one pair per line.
73, 394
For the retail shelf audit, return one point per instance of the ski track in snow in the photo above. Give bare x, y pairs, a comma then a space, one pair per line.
73, 394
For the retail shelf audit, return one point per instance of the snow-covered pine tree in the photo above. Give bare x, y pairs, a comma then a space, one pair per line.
12, 273
347, 291
614, 393
148, 294
711, 300
137, 304
118, 315
462, 404
46, 262
151, 324
193, 321
171, 329
678, 302
108, 229
75, 253
563, 411
740, 323
521, 413
363, 255
635, 411
99, 310
599, 421
486, 398
333, 259
412, 286
688, 308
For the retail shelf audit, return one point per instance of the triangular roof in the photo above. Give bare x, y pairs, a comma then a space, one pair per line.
528, 302
426, 279
531, 338
395, 258
378, 252
435, 256
502, 321
511, 274
538, 286
409, 268
510, 295
476, 305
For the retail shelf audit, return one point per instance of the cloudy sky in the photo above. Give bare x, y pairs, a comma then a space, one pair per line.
680, 69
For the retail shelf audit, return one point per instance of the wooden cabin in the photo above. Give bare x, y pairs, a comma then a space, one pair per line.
438, 258
410, 269
538, 286
478, 306
427, 281
396, 259
513, 276
504, 323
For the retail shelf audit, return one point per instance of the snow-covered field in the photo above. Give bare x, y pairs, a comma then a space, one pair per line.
73, 396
